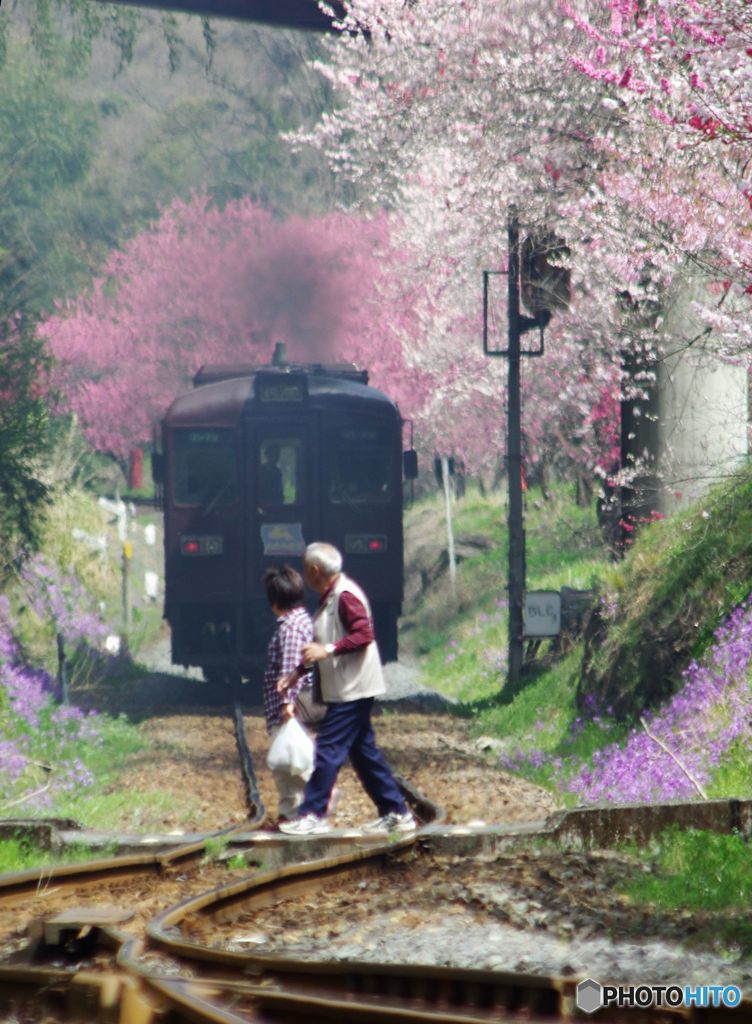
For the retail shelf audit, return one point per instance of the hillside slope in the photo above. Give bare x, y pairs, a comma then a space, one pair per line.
660, 606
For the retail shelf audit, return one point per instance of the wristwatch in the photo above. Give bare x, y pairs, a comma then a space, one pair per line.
329, 648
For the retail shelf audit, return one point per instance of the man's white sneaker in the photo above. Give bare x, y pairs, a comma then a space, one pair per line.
308, 825
392, 823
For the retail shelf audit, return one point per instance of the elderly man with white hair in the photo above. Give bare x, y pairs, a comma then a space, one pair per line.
351, 677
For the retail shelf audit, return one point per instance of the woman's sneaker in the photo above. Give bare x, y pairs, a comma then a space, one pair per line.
308, 825
393, 822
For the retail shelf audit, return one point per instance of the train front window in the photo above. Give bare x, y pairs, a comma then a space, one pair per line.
362, 467
279, 471
205, 470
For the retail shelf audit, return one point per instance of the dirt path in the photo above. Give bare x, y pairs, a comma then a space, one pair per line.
190, 766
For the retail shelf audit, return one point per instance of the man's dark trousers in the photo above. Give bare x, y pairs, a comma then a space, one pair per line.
346, 730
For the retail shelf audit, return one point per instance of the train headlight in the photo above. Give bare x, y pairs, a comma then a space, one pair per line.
196, 546
365, 543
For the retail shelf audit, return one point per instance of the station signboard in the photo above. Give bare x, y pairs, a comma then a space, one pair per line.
541, 613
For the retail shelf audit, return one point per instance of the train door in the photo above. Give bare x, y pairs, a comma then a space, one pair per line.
282, 503
362, 510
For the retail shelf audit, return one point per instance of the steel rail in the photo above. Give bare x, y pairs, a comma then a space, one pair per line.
110, 995
252, 793
236, 988
259, 890
91, 873
133, 993
314, 991
356, 992
94, 872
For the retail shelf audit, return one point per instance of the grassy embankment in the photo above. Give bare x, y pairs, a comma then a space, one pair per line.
663, 605
683, 575
57, 760
462, 641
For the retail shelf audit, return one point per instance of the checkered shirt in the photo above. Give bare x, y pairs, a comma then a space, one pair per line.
284, 653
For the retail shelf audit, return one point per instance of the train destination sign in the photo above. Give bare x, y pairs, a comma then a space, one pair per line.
283, 538
274, 388
541, 613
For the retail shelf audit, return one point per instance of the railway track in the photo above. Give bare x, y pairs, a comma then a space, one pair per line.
82, 964
80, 970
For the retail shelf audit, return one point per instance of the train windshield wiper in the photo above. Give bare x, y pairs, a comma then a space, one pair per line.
344, 499
206, 509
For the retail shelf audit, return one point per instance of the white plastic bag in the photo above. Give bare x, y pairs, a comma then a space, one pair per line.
292, 750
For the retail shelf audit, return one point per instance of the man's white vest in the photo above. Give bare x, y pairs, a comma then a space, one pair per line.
349, 676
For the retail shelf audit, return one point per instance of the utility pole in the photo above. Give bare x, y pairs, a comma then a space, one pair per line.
449, 526
539, 277
516, 579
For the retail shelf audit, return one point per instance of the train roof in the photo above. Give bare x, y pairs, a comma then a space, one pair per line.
225, 398
212, 373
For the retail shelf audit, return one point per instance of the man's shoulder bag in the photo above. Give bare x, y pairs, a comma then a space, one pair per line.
309, 705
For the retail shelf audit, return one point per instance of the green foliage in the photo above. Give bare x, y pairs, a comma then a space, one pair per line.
22, 854
706, 874
542, 732
237, 862
464, 640
733, 776
215, 846
87, 159
23, 440
135, 810
62, 32
683, 575
71, 538
697, 564
695, 870
46, 145
221, 133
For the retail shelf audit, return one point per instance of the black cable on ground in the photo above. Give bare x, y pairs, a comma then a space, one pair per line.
256, 808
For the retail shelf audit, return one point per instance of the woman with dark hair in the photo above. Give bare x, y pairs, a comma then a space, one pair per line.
284, 591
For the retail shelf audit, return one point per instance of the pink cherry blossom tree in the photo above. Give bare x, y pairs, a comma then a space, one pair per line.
209, 285
453, 110
677, 76
586, 114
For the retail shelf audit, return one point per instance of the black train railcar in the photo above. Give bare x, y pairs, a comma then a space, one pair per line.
256, 465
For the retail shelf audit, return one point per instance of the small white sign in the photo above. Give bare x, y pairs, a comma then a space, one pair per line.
112, 644
151, 585
98, 543
541, 613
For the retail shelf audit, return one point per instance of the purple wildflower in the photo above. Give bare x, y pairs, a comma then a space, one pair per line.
699, 725
63, 601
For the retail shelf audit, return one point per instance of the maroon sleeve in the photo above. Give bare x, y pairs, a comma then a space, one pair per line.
357, 623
